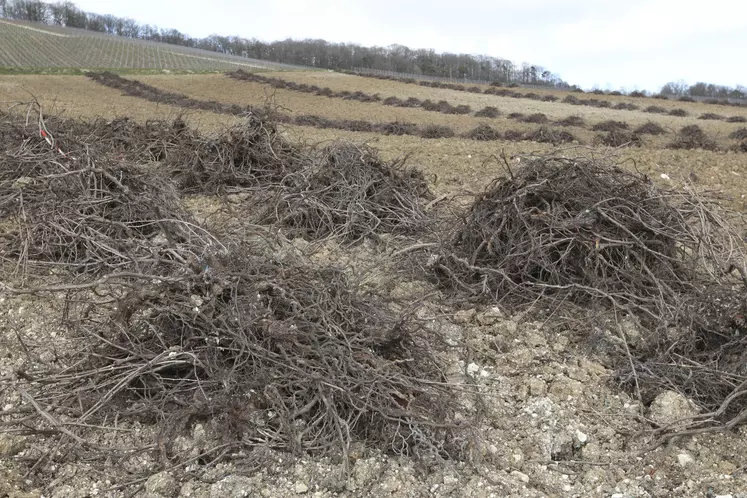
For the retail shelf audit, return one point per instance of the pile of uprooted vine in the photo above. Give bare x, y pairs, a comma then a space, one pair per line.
573, 235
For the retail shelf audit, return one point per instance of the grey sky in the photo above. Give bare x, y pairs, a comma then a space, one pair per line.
631, 44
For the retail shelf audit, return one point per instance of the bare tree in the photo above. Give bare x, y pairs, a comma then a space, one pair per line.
675, 88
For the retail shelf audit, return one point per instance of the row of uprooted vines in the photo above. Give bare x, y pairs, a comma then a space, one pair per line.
428, 105
138, 89
616, 133
172, 321
447, 108
151, 93
496, 88
443, 106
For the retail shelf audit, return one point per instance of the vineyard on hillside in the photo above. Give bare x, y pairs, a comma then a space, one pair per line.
37, 46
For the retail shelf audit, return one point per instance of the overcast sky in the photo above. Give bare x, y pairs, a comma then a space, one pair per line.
630, 44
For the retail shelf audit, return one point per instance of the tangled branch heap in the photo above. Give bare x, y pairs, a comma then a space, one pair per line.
252, 154
692, 137
350, 193
581, 233
282, 355
585, 232
86, 212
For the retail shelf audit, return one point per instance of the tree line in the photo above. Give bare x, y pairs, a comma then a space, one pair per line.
700, 89
315, 53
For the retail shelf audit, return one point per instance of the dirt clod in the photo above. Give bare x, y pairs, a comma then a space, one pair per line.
162, 484
670, 407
